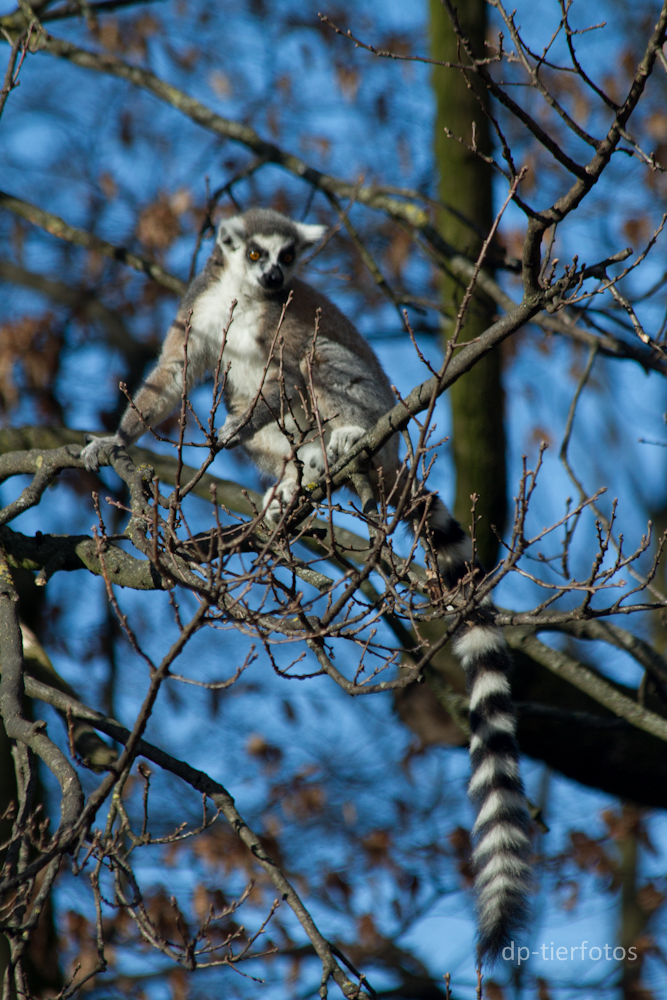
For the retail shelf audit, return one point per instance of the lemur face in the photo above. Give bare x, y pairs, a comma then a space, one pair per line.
270, 260
263, 248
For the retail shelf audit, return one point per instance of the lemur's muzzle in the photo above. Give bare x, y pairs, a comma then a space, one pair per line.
272, 279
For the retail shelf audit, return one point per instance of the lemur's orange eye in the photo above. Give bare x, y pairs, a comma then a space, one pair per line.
254, 254
287, 257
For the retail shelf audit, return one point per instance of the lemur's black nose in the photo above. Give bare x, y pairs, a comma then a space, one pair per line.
272, 279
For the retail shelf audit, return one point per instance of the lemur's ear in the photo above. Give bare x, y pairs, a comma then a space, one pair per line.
230, 232
309, 235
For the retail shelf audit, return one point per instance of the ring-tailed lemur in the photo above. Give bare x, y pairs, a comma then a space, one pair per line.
253, 263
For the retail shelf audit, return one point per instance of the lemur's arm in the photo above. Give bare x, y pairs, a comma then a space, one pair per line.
160, 392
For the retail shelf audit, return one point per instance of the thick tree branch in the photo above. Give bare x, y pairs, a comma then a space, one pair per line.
398, 418
588, 681
227, 128
29, 445
17, 19
52, 553
604, 631
58, 227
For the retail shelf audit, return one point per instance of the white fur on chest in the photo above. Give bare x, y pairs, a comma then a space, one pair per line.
243, 353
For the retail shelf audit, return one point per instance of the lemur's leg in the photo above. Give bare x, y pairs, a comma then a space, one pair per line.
273, 452
279, 496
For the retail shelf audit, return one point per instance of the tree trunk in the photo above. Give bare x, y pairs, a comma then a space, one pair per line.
465, 187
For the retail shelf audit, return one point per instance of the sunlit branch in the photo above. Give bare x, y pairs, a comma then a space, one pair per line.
591, 683
56, 226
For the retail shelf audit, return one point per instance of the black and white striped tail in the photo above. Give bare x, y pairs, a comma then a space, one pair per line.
501, 833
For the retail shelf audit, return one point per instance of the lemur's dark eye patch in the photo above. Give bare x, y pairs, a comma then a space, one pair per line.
287, 256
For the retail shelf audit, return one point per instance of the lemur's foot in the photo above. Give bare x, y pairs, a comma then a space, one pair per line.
342, 439
90, 454
312, 456
278, 498
228, 436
